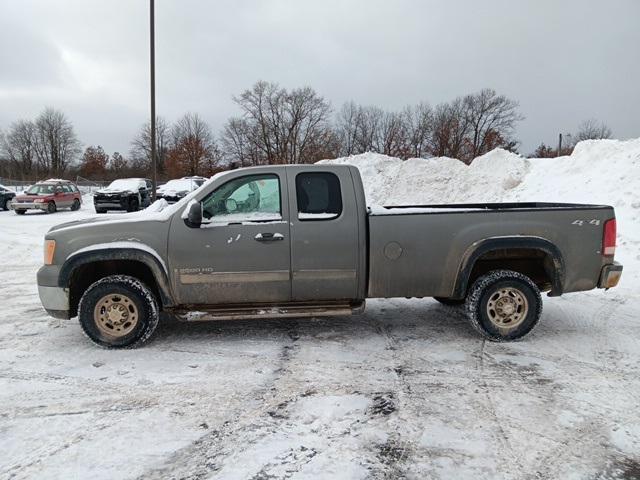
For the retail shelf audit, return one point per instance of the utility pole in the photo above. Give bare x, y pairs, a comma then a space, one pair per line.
559, 141
152, 46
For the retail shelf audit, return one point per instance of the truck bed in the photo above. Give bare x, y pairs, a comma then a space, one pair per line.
418, 250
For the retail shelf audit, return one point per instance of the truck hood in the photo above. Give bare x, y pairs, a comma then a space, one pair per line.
159, 211
31, 198
112, 191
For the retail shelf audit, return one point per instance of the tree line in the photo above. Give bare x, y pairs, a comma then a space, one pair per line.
274, 125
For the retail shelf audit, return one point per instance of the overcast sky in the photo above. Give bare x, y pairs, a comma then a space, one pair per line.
564, 61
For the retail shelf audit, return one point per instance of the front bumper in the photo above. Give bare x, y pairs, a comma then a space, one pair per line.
116, 202
610, 275
29, 206
55, 300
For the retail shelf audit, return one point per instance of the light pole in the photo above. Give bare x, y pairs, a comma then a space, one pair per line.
152, 46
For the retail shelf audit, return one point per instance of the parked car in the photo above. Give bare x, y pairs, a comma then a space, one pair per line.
6, 197
299, 241
48, 196
128, 194
197, 179
174, 190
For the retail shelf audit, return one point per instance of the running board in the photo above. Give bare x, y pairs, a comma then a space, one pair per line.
249, 312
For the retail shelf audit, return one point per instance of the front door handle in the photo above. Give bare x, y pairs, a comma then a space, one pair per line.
269, 237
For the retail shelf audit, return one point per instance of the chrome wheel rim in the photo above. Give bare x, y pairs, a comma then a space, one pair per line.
115, 315
507, 307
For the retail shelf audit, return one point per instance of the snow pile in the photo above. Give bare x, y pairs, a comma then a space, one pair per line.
598, 172
391, 181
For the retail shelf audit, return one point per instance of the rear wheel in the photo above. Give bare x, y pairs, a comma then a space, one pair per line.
20, 212
7, 204
118, 311
51, 207
504, 305
76, 205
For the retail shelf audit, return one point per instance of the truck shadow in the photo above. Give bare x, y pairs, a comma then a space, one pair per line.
425, 319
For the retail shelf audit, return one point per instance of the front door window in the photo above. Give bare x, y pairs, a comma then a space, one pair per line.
253, 198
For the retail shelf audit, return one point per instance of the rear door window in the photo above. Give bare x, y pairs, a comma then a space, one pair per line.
318, 195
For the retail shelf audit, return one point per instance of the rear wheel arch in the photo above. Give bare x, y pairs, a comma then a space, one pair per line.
535, 257
80, 271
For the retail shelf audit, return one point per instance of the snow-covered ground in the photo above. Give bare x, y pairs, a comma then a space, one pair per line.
407, 389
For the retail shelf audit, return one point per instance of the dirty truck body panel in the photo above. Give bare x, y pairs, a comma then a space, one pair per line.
429, 251
300, 239
315, 258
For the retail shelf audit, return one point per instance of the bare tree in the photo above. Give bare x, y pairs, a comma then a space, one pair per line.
56, 144
419, 126
118, 164
592, 129
489, 116
347, 128
451, 129
18, 148
193, 149
239, 143
278, 126
141, 145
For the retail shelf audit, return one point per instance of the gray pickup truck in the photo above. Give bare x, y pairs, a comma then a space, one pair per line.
299, 240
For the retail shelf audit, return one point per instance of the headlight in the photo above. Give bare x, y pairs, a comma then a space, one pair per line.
49, 250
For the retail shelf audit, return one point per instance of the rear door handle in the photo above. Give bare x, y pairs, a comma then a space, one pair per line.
269, 237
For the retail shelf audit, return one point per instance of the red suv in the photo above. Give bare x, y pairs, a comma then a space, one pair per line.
48, 196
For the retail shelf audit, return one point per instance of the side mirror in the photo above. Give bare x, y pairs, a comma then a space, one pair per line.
194, 217
231, 205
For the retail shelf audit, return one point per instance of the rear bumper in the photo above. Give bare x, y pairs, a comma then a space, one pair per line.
610, 275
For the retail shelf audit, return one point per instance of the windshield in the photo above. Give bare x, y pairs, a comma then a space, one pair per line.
179, 185
132, 184
41, 190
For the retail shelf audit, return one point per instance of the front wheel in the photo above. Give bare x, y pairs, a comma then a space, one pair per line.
133, 205
118, 311
7, 204
504, 305
51, 207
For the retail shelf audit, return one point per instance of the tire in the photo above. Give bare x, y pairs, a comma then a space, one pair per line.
504, 305
20, 212
451, 302
51, 207
134, 308
100, 210
133, 205
7, 204
76, 205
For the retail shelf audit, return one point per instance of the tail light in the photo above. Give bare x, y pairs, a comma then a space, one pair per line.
609, 238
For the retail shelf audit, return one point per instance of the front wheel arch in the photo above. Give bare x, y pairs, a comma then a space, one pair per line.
81, 270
